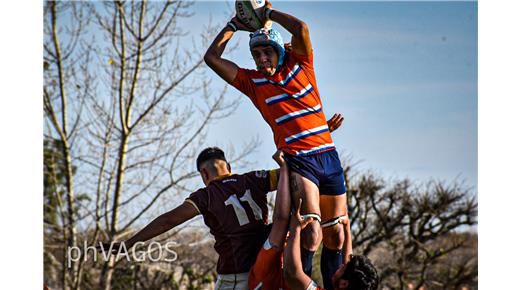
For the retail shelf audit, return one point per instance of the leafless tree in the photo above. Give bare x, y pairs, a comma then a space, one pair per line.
415, 234
127, 99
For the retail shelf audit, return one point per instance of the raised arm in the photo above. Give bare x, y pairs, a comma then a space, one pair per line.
347, 244
301, 41
282, 206
226, 69
293, 269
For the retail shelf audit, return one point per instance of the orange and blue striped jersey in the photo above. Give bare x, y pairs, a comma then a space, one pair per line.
290, 103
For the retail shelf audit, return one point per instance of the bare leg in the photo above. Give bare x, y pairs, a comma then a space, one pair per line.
332, 207
305, 189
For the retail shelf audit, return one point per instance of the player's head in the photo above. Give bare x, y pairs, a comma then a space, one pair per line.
211, 163
268, 51
358, 274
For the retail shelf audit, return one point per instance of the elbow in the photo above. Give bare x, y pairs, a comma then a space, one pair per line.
302, 29
289, 274
209, 58
281, 218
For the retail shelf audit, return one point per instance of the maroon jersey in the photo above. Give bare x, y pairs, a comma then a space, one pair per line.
234, 207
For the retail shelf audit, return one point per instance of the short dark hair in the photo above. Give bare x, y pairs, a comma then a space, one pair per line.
361, 274
210, 153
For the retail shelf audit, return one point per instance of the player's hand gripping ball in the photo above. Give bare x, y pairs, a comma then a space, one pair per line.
251, 13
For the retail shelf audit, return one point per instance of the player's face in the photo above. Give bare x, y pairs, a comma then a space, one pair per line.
266, 59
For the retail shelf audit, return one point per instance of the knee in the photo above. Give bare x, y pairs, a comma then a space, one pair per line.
334, 237
312, 236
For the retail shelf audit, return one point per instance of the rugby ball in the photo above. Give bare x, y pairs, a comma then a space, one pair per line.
250, 12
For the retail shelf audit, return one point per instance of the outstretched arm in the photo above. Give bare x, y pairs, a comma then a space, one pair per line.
161, 224
282, 206
226, 69
301, 41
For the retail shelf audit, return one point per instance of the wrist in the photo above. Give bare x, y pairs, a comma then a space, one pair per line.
295, 225
232, 26
268, 12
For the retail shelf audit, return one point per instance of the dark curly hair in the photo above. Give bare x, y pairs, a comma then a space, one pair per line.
361, 274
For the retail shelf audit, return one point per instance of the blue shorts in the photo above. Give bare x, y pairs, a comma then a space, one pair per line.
323, 169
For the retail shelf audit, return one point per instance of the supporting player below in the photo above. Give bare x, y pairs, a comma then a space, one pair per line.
234, 207
269, 271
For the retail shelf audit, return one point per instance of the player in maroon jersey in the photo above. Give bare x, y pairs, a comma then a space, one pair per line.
234, 207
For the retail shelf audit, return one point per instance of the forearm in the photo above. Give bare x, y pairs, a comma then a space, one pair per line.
217, 47
295, 26
282, 208
293, 269
347, 244
292, 257
226, 69
153, 229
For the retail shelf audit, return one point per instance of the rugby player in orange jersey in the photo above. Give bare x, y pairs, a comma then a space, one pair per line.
283, 88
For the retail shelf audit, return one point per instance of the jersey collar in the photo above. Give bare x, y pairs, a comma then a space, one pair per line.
220, 177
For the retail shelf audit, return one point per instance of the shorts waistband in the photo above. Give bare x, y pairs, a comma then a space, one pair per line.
233, 277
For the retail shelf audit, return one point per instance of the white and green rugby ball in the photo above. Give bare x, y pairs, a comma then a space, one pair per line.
250, 12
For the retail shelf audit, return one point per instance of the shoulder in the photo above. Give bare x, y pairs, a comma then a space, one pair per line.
251, 73
245, 80
258, 174
265, 180
301, 58
199, 199
201, 192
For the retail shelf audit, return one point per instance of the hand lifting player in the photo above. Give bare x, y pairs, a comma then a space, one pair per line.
357, 273
269, 271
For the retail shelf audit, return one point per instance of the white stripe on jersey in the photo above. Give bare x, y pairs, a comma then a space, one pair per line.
305, 133
293, 115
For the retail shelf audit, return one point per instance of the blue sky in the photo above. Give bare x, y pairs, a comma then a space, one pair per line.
404, 75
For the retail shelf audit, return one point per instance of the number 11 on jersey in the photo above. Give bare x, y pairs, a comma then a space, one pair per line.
240, 212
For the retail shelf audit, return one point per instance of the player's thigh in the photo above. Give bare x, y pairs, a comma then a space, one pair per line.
333, 206
304, 188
